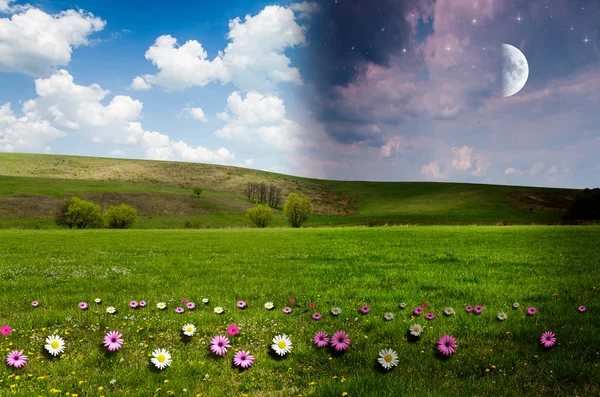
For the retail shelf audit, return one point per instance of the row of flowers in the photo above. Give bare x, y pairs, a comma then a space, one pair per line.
417, 311
282, 345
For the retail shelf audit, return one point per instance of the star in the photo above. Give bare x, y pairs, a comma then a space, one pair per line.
519, 19
586, 40
474, 21
404, 50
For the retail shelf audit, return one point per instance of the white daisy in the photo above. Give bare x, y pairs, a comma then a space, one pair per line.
55, 344
282, 344
449, 311
336, 311
388, 316
402, 305
161, 358
111, 310
388, 358
161, 305
218, 310
205, 301
98, 300
502, 316
269, 305
516, 305
416, 330
189, 329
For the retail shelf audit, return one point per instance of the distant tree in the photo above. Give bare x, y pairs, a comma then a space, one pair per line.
297, 209
586, 206
121, 217
260, 216
60, 217
83, 214
197, 191
260, 192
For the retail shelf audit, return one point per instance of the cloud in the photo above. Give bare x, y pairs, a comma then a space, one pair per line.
305, 9
7, 8
512, 171
462, 158
253, 60
63, 107
195, 113
34, 43
552, 170
259, 118
434, 170
392, 145
139, 84
536, 168
117, 152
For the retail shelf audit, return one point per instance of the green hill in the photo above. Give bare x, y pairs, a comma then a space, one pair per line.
32, 186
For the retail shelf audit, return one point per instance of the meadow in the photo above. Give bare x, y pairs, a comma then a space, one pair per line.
554, 269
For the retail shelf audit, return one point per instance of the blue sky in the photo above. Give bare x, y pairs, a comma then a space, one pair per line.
403, 91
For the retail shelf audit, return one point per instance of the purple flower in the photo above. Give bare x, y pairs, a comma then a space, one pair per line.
179, 310
16, 359
531, 311
241, 304
582, 308
142, 303
219, 345
113, 341
548, 339
83, 305
478, 309
287, 310
365, 309
446, 345
340, 341
321, 339
243, 359
316, 316
430, 316
190, 305
418, 311
133, 304
35, 303
469, 309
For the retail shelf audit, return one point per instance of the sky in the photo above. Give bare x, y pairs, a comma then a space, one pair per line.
386, 90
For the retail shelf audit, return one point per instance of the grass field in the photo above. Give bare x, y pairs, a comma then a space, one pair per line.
553, 269
33, 186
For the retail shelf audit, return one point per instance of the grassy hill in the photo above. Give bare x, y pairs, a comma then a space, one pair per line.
32, 186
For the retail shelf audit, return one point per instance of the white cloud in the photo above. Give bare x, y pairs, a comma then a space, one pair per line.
512, 171
253, 60
34, 43
536, 168
117, 152
462, 158
249, 162
260, 118
6, 8
482, 164
63, 106
552, 170
392, 145
434, 171
139, 84
195, 113
305, 9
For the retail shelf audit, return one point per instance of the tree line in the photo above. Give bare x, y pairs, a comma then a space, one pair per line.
81, 214
263, 193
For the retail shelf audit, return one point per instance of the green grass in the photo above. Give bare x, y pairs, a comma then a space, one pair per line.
553, 269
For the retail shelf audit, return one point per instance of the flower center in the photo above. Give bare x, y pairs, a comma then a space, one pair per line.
54, 345
189, 329
161, 358
387, 358
282, 344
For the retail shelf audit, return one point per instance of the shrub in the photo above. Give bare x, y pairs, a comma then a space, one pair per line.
192, 225
260, 216
121, 217
82, 214
297, 209
60, 217
197, 191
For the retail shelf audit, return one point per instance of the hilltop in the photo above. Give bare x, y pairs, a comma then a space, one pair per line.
32, 185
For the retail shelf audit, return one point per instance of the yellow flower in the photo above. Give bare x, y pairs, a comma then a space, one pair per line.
487, 370
344, 394
311, 384
100, 388
166, 381
80, 382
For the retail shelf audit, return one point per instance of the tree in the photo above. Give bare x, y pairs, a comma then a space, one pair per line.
83, 214
197, 191
297, 209
60, 217
121, 217
260, 216
585, 206
260, 192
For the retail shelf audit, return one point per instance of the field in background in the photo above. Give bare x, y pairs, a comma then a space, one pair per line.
553, 269
32, 186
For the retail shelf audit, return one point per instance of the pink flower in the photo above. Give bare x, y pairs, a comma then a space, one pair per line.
430, 316
243, 359
424, 304
142, 303
190, 305
179, 310
531, 311
292, 300
113, 340
233, 330
35, 303
581, 308
321, 339
340, 341
16, 359
183, 300
5, 330
418, 311
219, 345
83, 305
287, 310
469, 309
478, 309
446, 345
133, 304
548, 339
241, 304
365, 309
311, 305
316, 316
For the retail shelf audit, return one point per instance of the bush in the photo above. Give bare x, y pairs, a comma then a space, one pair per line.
121, 217
82, 214
586, 206
60, 217
197, 191
260, 216
297, 209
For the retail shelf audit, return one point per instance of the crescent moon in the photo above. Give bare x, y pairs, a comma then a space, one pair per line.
515, 70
